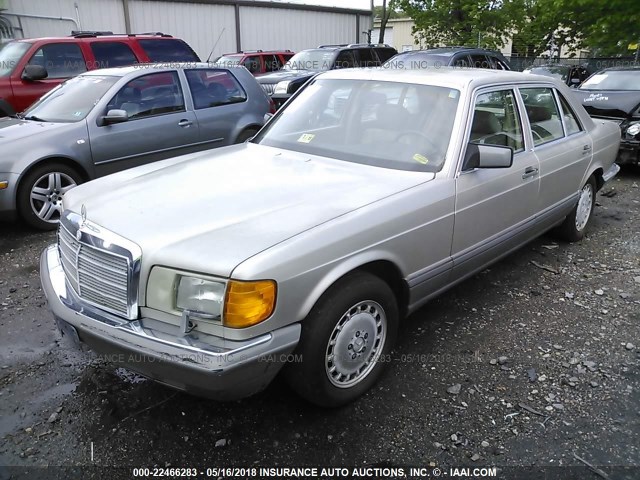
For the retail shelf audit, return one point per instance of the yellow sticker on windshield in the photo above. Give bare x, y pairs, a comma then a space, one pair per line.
421, 159
306, 137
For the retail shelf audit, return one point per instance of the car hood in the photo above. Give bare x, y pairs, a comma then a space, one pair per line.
12, 129
609, 103
210, 211
282, 75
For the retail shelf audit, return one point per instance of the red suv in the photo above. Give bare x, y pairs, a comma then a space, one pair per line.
31, 67
258, 62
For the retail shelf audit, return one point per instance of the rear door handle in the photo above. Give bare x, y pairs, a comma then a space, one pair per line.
529, 172
185, 123
586, 149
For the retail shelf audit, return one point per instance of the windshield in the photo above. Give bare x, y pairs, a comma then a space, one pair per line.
10, 55
416, 61
311, 60
228, 61
395, 125
555, 72
72, 101
613, 80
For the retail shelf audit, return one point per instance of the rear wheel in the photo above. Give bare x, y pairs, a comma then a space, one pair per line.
40, 194
346, 341
574, 226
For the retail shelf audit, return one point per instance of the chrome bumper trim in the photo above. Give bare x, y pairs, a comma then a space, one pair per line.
206, 364
611, 172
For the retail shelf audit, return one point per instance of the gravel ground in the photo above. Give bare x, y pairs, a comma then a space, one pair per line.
531, 366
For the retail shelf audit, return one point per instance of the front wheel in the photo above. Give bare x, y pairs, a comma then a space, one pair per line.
40, 194
574, 226
346, 341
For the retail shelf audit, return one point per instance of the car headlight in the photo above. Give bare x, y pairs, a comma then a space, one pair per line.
237, 304
633, 129
282, 87
199, 296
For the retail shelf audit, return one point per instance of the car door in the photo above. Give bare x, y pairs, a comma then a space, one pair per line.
560, 143
219, 103
159, 124
494, 207
61, 60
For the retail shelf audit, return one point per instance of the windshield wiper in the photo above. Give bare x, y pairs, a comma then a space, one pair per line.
34, 118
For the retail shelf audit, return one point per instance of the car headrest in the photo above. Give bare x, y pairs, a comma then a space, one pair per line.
537, 113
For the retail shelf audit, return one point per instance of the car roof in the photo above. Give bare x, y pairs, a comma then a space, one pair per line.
448, 51
254, 52
93, 38
627, 68
161, 66
454, 77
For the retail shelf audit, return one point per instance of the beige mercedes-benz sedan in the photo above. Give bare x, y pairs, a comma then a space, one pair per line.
300, 251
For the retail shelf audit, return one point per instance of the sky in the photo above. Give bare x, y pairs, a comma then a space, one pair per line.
360, 4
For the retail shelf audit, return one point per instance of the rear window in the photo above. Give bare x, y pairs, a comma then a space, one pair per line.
168, 50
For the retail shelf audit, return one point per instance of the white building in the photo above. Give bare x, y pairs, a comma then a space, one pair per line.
209, 26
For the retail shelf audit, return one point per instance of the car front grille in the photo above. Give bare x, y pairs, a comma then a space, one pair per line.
99, 277
269, 88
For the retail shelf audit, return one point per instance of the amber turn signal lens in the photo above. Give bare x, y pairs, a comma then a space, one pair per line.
248, 303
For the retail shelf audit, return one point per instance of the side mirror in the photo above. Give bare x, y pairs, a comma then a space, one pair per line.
114, 116
487, 156
34, 72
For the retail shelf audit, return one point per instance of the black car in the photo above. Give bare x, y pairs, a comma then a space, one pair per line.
571, 75
469, 57
307, 63
614, 94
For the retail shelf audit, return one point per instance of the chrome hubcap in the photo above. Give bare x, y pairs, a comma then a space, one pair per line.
583, 212
46, 195
355, 344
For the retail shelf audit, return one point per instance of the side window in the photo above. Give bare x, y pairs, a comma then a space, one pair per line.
480, 61
112, 54
272, 63
385, 54
570, 120
461, 61
367, 58
150, 95
252, 64
62, 60
543, 114
212, 88
496, 121
345, 59
168, 50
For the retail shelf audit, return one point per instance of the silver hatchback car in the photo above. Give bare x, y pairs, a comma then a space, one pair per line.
109, 120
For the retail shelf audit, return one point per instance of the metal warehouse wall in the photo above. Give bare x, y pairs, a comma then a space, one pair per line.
275, 28
199, 22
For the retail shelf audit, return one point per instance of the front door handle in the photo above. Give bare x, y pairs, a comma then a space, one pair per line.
185, 123
529, 172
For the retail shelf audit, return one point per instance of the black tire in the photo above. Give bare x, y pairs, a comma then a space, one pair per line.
572, 230
310, 377
246, 135
26, 208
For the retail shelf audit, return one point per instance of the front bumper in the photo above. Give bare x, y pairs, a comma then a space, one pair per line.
8, 196
201, 364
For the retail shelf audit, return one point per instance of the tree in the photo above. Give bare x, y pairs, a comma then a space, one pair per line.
385, 13
463, 22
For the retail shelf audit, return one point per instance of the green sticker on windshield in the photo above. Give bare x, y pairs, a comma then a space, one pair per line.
421, 159
306, 137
